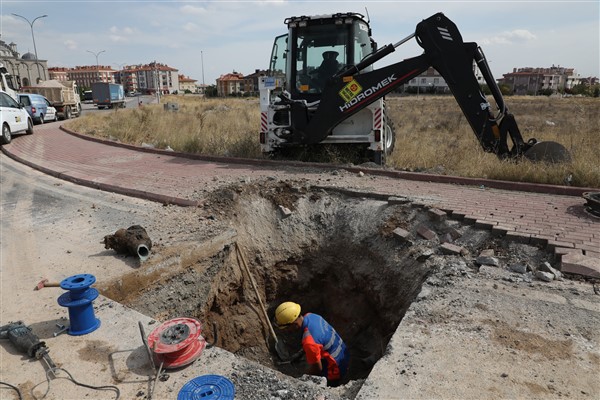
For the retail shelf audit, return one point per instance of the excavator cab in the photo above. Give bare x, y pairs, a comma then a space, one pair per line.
303, 63
320, 48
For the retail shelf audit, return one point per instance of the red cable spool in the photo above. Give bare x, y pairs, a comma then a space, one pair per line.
177, 342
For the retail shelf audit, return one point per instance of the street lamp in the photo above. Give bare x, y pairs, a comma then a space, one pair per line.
33, 37
97, 66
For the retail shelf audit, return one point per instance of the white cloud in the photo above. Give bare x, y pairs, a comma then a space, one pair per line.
70, 44
192, 10
509, 37
190, 27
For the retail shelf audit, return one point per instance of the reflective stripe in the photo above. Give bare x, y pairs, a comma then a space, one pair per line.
330, 343
337, 352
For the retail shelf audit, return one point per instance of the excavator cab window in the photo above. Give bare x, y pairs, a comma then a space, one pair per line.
278, 65
322, 48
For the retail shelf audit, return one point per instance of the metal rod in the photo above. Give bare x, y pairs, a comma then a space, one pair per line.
406, 39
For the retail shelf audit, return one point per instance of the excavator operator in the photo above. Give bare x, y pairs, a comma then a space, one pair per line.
326, 352
328, 67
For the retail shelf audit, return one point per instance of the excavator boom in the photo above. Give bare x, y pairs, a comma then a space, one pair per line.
352, 89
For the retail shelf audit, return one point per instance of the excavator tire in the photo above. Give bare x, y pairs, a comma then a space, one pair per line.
550, 152
379, 157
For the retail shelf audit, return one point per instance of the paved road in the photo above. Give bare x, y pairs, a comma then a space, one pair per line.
557, 221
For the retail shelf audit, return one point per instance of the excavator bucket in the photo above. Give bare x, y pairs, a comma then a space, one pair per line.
550, 152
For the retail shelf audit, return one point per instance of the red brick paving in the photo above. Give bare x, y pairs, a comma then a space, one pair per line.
555, 220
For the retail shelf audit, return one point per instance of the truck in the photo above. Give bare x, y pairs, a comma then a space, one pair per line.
322, 88
109, 95
7, 84
62, 95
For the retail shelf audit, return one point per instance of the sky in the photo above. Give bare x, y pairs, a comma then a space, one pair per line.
205, 39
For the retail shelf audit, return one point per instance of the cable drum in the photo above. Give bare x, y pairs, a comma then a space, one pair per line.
205, 387
177, 342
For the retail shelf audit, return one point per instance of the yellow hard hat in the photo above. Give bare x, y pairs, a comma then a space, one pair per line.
286, 313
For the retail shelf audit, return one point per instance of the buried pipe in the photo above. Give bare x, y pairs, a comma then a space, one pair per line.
133, 241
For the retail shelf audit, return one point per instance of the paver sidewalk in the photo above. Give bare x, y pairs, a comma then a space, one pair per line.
557, 221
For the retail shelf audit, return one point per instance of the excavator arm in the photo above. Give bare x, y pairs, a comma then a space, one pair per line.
350, 91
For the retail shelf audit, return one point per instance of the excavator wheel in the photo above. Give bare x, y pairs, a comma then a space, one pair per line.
550, 152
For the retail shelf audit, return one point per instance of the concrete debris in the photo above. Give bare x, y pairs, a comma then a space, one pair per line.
446, 238
397, 200
437, 214
361, 174
426, 233
546, 267
518, 268
544, 276
401, 234
487, 253
579, 264
449, 248
425, 255
486, 260
286, 212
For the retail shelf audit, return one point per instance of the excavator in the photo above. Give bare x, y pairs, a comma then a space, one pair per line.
322, 88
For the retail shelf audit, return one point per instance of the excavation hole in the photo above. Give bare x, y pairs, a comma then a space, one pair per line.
334, 255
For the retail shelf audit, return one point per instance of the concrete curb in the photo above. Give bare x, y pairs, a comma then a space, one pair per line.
414, 176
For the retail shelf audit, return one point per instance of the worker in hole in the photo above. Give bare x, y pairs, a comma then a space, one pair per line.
326, 352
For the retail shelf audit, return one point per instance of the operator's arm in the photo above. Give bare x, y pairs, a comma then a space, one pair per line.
313, 355
315, 369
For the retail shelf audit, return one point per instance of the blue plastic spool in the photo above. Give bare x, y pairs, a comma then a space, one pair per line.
79, 300
205, 387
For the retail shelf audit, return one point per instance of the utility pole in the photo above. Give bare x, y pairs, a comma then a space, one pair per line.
33, 37
97, 66
203, 85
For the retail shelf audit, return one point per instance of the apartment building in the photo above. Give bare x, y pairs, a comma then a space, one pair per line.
523, 81
187, 83
149, 78
230, 84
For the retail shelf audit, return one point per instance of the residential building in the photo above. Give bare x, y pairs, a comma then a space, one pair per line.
532, 81
26, 70
85, 75
187, 83
429, 81
230, 84
251, 82
148, 78
59, 73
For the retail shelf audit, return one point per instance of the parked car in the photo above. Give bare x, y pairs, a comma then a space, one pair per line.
38, 107
14, 118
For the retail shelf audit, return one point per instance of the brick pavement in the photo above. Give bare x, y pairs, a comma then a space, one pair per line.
546, 215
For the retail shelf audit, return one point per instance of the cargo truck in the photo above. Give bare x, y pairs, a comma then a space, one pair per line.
109, 95
6, 83
62, 95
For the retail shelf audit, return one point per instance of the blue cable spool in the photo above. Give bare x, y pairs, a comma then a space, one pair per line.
79, 300
207, 387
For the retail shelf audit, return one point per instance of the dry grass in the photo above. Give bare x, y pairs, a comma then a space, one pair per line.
431, 134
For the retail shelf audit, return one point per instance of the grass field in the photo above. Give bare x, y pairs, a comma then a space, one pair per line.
431, 134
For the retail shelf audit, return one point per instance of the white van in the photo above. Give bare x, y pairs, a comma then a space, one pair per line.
14, 118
